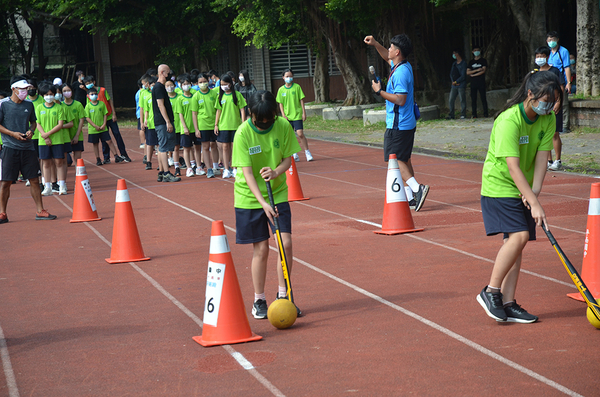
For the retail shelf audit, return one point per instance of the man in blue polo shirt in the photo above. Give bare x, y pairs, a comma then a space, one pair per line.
400, 115
560, 59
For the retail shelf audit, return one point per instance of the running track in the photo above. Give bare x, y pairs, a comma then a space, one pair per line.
384, 315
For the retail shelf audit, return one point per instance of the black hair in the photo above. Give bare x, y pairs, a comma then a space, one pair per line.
552, 33
246, 75
543, 50
203, 75
212, 73
194, 71
4, 94
89, 79
92, 90
139, 83
146, 77
540, 84
33, 82
227, 79
458, 51
262, 105
152, 72
152, 80
403, 43
45, 87
287, 70
184, 77
232, 75
194, 74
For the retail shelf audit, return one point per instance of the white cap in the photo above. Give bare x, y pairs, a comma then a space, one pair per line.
20, 84
57, 81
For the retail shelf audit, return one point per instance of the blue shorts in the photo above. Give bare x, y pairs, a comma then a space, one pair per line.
297, 124
189, 140
67, 147
506, 215
166, 140
139, 124
95, 138
225, 136
78, 147
252, 225
208, 136
51, 152
151, 138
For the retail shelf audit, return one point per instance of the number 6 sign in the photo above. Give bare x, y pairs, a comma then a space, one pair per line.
214, 287
394, 191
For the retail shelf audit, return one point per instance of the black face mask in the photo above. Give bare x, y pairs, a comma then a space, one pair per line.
264, 126
32, 92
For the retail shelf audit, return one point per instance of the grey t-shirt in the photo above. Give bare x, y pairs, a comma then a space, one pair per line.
17, 117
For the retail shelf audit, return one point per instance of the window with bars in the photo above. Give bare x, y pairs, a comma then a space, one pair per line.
298, 58
477, 33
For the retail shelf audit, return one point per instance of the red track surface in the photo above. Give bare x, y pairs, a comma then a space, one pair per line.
385, 315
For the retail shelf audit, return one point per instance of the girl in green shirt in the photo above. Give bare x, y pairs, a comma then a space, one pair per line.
50, 120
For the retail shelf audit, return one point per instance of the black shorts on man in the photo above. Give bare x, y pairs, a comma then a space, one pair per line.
14, 161
398, 142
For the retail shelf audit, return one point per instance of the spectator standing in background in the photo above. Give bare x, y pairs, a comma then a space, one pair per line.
79, 90
560, 59
476, 71
458, 77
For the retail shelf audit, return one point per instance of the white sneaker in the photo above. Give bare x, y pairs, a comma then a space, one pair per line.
549, 165
47, 191
142, 146
557, 165
296, 157
171, 162
216, 171
226, 174
190, 173
62, 190
200, 171
27, 183
234, 173
309, 156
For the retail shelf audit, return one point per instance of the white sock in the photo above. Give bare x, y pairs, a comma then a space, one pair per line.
62, 183
193, 163
282, 292
215, 165
43, 181
409, 193
414, 185
48, 185
176, 164
259, 296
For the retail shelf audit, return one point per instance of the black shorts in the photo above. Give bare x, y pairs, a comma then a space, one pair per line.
398, 142
67, 147
151, 138
297, 124
78, 147
139, 124
51, 152
252, 225
13, 161
189, 140
559, 121
36, 145
102, 136
506, 215
208, 136
225, 136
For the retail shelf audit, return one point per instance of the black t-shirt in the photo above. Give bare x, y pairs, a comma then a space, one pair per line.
475, 65
159, 92
79, 94
17, 117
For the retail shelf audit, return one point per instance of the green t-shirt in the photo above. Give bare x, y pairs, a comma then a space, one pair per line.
96, 114
290, 99
204, 104
48, 117
175, 107
258, 149
75, 112
230, 118
184, 106
514, 135
38, 101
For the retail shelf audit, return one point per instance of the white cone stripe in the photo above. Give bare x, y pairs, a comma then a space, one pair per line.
393, 164
80, 171
394, 190
594, 208
122, 196
219, 245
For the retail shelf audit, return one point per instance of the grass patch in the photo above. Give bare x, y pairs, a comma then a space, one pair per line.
586, 130
583, 164
342, 126
127, 123
581, 96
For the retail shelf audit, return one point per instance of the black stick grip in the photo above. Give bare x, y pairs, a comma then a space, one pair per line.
549, 235
272, 202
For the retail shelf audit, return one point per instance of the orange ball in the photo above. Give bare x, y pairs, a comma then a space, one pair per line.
282, 313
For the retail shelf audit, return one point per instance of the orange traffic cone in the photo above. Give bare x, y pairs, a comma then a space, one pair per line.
293, 182
396, 212
84, 207
225, 319
590, 269
126, 244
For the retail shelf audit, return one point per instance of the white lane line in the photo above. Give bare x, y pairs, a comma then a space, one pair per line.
11, 382
239, 358
413, 315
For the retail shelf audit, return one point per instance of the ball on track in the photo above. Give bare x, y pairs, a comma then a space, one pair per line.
591, 318
282, 313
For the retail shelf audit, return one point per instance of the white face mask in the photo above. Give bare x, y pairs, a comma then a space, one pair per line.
170, 89
49, 98
225, 87
241, 78
540, 61
186, 87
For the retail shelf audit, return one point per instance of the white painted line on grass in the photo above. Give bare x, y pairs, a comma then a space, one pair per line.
11, 382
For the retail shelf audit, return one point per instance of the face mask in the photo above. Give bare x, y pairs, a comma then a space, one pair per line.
203, 86
263, 126
241, 78
170, 89
543, 108
225, 87
49, 98
552, 44
476, 53
67, 94
454, 56
572, 62
186, 87
540, 61
152, 88
288, 80
89, 86
58, 97
93, 97
32, 92
22, 94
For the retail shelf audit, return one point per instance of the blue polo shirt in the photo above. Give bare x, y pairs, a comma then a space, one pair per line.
555, 59
401, 82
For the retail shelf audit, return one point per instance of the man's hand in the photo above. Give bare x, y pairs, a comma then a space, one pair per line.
169, 127
376, 85
114, 117
568, 87
369, 40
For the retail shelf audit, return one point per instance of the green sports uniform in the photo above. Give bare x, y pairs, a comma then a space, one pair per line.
175, 107
258, 149
75, 112
48, 117
290, 99
96, 114
38, 101
146, 104
230, 118
184, 106
514, 135
204, 104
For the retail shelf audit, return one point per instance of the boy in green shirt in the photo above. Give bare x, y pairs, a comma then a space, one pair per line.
148, 123
203, 118
96, 114
262, 150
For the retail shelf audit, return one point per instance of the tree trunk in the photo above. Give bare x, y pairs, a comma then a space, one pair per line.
531, 24
40, 46
321, 73
588, 42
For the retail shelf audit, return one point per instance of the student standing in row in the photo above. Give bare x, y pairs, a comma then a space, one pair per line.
76, 113
203, 117
96, 116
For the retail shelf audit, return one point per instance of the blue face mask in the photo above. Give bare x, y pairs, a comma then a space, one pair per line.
58, 97
552, 44
93, 97
288, 80
89, 86
543, 108
454, 56
476, 53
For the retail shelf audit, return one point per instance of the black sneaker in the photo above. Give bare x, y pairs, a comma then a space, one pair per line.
119, 159
55, 187
182, 163
98, 161
412, 204
3, 218
126, 159
144, 161
492, 304
106, 161
516, 314
148, 165
177, 171
420, 196
259, 309
298, 311
168, 177
160, 177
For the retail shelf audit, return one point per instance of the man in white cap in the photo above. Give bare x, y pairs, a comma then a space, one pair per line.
17, 124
